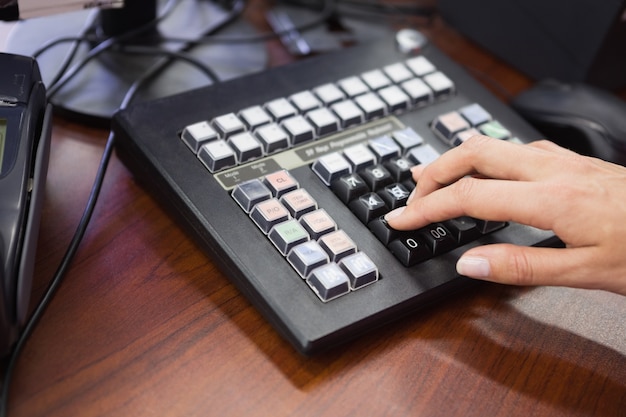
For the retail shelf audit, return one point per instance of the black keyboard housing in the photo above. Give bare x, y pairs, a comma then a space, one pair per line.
148, 142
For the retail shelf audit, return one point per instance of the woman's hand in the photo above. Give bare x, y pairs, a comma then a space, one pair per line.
581, 199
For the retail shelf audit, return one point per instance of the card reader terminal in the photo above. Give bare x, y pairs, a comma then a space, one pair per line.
25, 124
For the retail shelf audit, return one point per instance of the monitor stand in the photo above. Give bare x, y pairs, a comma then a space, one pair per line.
97, 91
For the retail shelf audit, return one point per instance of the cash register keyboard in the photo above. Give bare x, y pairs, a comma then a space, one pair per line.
284, 177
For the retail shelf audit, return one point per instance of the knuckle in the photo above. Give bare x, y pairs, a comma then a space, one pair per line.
464, 190
542, 144
520, 269
476, 143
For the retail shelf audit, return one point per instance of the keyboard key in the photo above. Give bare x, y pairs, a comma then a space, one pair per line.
449, 124
304, 101
349, 187
329, 282
397, 72
217, 155
441, 85
495, 130
272, 138
475, 114
254, 117
372, 105
407, 139
409, 249
246, 146
280, 109
375, 79
463, 229
420, 93
197, 134
395, 98
298, 202
298, 130
360, 269
330, 167
250, 193
394, 195
368, 207
487, 226
328, 94
318, 223
269, 213
287, 235
337, 245
228, 124
348, 113
280, 182
382, 231
399, 168
461, 137
359, 156
376, 177
420, 66
423, 155
437, 238
307, 256
409, 184
384, 148
353, 86
323, 121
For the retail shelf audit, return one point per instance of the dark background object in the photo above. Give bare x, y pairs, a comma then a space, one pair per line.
569, 40
580, 117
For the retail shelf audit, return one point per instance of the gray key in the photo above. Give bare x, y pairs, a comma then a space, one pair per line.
228, 124
329, 282
246, 146
349, 114
287, 235
197, 134
249, 193
272, 138
372, 105
360, 269
330, 167
307, 256
298, 129
323, 121
423, 155
217, 155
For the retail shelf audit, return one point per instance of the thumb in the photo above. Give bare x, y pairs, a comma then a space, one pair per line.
521, 265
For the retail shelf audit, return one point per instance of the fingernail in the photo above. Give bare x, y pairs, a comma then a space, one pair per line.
394, 213
474, 267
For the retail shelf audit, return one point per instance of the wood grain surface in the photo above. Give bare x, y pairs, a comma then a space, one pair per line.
145, 325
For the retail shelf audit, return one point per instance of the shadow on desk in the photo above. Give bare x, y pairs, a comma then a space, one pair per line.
470, 344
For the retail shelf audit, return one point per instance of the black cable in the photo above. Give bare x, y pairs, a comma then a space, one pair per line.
179, 56
235, 13
328, 9
59, 274
71, 54
105, 45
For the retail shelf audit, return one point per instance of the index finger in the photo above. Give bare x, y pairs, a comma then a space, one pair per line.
485, 156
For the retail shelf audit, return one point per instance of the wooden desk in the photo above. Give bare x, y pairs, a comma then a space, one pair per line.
144, 325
